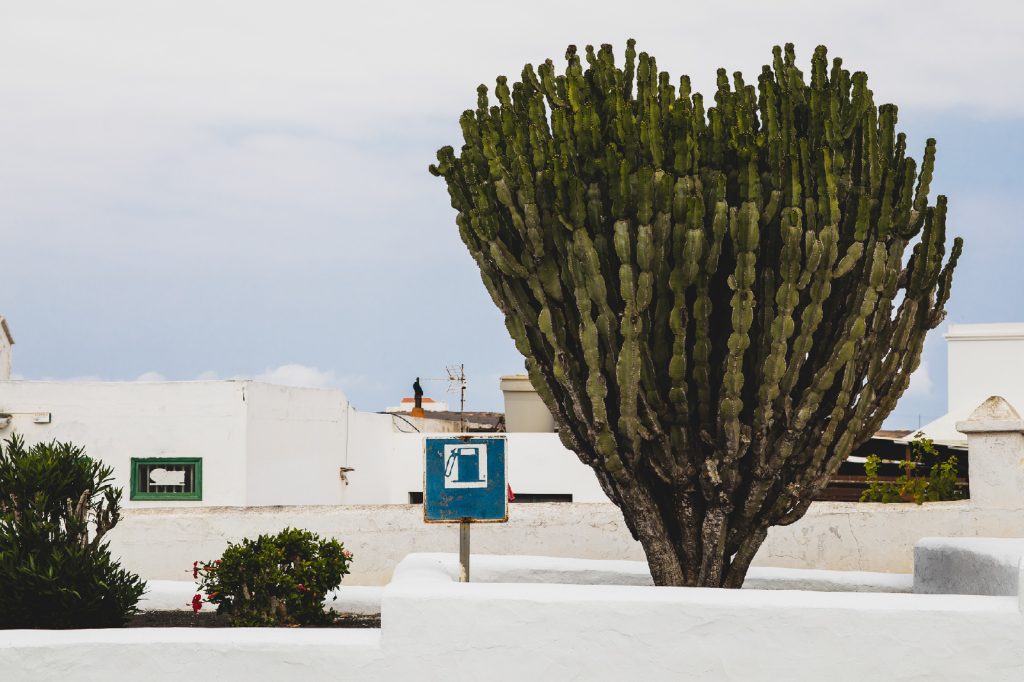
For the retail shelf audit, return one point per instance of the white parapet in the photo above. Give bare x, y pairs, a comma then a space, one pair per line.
968, 566
622, 632
995, 441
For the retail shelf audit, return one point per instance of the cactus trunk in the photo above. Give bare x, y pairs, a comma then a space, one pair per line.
714, 305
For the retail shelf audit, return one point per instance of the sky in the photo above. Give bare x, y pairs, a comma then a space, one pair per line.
239, 189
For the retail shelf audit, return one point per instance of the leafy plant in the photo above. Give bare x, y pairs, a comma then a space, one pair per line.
939, 485
56, 505
278, 579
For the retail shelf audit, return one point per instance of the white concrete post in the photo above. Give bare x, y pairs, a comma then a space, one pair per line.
995, 444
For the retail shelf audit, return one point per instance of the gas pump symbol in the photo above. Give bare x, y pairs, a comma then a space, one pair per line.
465, 466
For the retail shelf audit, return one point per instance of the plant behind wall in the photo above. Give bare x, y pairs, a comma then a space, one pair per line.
912, 486
56, 505
712, 303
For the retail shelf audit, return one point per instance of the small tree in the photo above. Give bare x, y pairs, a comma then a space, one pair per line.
56, 505
715, 304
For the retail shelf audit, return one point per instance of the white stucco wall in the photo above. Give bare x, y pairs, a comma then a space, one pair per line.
547, 631
260, 444
117, 421
984, 360
380, 474
295, 444
163, 543
389, 465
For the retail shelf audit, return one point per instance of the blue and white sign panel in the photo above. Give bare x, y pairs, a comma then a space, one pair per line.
464, 480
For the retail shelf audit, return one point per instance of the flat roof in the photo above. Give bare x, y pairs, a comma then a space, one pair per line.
983, 332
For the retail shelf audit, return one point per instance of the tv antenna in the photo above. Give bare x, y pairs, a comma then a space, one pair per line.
456, 383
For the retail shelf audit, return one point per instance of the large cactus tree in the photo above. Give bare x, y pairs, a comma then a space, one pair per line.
716, 305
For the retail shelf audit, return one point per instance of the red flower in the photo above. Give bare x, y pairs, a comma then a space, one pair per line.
300, 587
195, 570
197, 603
218, 561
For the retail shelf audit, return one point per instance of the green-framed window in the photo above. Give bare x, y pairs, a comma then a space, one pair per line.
167, 478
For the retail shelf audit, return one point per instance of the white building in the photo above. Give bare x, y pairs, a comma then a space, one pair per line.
429, 405
982, 360
524, 410
246, 443
6, 348
197, 442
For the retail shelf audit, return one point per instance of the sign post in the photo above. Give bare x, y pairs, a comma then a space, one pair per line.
464, 482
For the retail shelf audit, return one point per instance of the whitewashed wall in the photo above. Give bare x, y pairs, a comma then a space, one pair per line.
983, 360
163, 543
380, 474
260, 444
433, 628
295, 444
263, 444
118, 421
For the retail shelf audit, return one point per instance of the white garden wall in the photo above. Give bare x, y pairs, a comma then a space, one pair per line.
433, 628
847, 536
589, 632
163, 543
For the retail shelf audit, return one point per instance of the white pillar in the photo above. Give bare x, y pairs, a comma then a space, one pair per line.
995, 445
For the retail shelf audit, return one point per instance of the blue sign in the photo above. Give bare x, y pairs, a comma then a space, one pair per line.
464, 480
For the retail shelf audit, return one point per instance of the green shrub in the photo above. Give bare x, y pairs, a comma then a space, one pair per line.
278, 579
56, 504
939, 485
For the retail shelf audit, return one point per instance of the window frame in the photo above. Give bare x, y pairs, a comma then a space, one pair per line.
193, 496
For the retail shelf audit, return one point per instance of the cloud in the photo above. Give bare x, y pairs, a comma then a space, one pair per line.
298, 375
151, 376
276, 153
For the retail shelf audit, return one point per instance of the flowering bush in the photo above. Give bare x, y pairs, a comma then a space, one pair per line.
278, 579
56, 504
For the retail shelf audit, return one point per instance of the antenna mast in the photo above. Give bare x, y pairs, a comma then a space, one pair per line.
457, 375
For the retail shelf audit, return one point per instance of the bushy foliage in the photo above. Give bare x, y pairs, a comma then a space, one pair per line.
278, 579
56, 505
939, 485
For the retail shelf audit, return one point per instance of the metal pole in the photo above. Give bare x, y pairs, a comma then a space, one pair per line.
464, 551
462, 398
